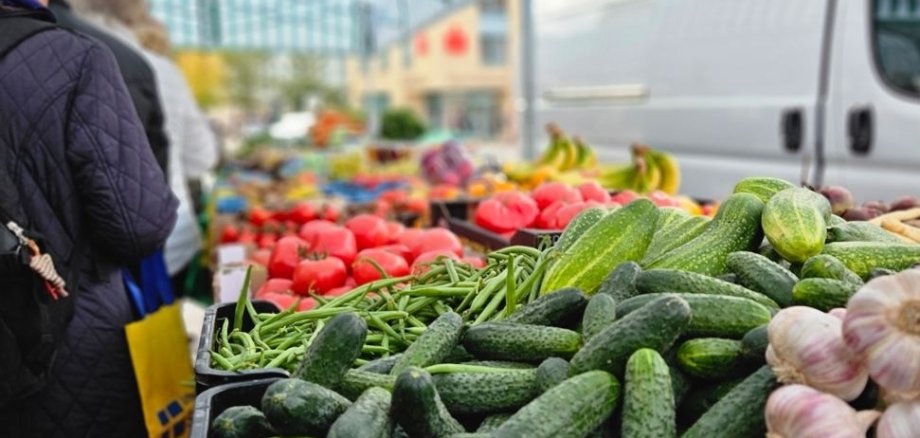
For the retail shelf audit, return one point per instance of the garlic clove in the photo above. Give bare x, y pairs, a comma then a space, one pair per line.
901, 420
798, 411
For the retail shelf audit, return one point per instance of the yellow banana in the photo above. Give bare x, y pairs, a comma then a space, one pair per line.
670, 171
569, 153
648, 177
587, 159
619, 178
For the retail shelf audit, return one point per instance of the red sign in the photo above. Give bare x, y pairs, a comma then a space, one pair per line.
456, 41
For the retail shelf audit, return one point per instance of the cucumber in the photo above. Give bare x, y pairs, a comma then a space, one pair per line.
620, 236
763, 187
673, 236
571, 409
498, 364
356, 382
795, 223
770, 253
297, 407
761, 274
434, 344
648, 403
702, 398
418, 409
859, 231
382, 365
520, 342
863, 257
713, 315
656, 325
827, 266
835, 220
736, 227
823, 294
669, 280
600, 312
492, 422
241, 422
558, 308
754, 345
669, 216
880, 272
710, 358
578, 226
368, 417
334, 350
551, 372
458, 355
621, 282
486, 392
740, 412
730, 277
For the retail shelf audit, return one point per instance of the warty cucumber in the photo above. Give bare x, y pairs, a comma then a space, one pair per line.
418, 409
763, 187
762, 275
334, 350
670, 280
863, 257
559, 308
368, 417
433, 345
484, 392
795, 223
298, 407
827, 266
648, 402
551, 372
621, 282
578, 226
600, 312
823, 294
713, 315
859, 231
739, 414
520, 342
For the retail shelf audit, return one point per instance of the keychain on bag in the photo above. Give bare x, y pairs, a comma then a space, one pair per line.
40, 263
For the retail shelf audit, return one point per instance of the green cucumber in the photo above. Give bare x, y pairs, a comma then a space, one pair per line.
730, 277
880, 272
703, 397
740, 412
559, 308
485, 392
823, 293
571, 409
795, 223
648, 403
458, 355
762, 275
763, 187
656, 325
754, 345
863, 257
355, 382
736, 227
600, 312
620, 236
673, 236
520, 342
669, 280
621, 282
669, 216
368, 417
710, 358
713, 315
770, 253
334, 350
418, 408
835, 220
298, 407
492, 422
382, 365
498, 364
434, 344
828, 266
578, 226
551, 372
241, 422
859, 231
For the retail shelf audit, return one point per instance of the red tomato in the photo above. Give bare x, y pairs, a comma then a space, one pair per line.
548, 219
306, 304
382, 208
400, 249
421, 262
280, 216
311, 229
285, 257
364, 271
302, 213
229, 234
267, 240
331, 213
417, 205
258, 216
272, 226
624, 197
275, 285
370, 231
410, 237
247, 236
506, 211
336, 242
476, 262
547, 193
282, 300
394, 231
319, 276
261, 257
394, 196
592, 191
567, 213
437, 238
351, 282
339, 291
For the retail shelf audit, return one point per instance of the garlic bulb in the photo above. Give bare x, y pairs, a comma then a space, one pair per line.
901, 420
806, 347
839, 312
882, 327
797, 411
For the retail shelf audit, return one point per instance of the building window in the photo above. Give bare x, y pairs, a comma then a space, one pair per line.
494, 50
493, 32
493, 6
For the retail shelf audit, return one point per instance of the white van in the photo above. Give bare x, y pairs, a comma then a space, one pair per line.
823, 91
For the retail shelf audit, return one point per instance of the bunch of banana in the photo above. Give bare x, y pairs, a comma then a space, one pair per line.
649, 170
563, 160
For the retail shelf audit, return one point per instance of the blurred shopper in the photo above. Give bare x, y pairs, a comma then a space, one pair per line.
193, 146
137, 74
88, 183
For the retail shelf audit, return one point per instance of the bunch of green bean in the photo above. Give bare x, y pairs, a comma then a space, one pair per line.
397, 310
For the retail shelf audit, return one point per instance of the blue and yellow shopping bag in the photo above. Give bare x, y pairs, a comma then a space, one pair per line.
159, 352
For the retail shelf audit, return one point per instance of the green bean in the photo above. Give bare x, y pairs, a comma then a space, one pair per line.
305, 316
440, 308
377, 322
360, 362
462, 368
487, 292
242, 300
224, 339
258, 340
445, 292
509, 287
221, 361
245, 339
374, 349
282, 358
375, 337
237, 349
415, 322
489, 309
253, 315
309, 340
420, 304
225, 350
416, 330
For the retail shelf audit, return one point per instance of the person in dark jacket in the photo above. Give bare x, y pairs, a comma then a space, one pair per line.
77, 153
138, 75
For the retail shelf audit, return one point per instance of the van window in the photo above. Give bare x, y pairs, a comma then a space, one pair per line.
896, 24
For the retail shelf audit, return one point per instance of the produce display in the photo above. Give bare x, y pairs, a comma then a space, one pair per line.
776, 315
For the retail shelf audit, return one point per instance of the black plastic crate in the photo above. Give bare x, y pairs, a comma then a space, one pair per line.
209, 404
454, 215
207, 377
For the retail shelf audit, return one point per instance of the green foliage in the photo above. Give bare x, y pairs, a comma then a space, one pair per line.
401, 124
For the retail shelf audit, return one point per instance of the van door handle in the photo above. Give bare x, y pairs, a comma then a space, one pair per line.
792, 125
860, 130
